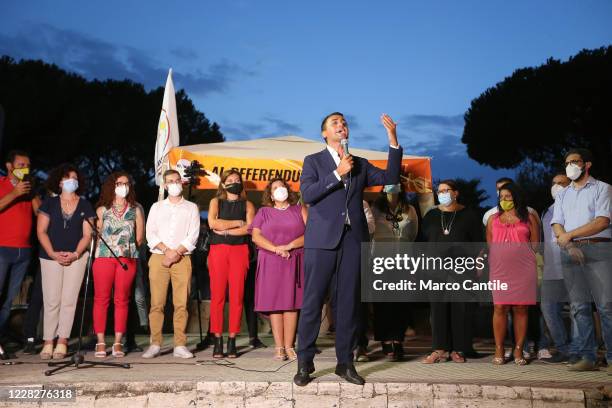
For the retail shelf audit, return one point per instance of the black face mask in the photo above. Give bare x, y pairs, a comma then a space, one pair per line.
234, 188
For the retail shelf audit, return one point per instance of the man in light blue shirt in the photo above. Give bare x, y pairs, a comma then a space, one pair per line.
554, 294
581, 223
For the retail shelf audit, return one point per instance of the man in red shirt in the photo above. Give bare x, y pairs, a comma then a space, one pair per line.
17, 206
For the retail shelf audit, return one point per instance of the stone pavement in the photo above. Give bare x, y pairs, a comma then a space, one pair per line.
255, 379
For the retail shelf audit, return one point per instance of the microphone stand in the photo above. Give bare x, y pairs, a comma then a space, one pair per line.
78, 358
202, 344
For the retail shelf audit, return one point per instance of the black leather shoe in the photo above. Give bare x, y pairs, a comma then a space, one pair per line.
348, 372
29, 348
302, 377
256, 343
218, 349
398, 351
231, 347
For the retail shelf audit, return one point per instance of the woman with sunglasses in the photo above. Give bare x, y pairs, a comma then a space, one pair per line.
121, 225
396, 221
451, 322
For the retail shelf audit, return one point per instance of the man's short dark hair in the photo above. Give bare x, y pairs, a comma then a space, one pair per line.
10, 157
329, 116
504, 180
169, 172
585, 154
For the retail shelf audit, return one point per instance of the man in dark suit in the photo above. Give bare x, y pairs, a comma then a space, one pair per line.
332, 184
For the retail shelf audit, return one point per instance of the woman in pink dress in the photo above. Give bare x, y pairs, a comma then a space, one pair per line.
513, 236
278, 231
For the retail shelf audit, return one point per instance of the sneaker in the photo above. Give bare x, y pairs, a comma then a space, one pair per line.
153, 351
573, 359
182, 352
556, 359
583, 365
544, 353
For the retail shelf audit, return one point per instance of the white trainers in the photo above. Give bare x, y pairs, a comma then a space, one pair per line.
182, 352
544, 353
153, 351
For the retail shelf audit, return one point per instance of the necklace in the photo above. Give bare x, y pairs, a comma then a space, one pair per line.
282, 208
446, 228
68, 206
119, 212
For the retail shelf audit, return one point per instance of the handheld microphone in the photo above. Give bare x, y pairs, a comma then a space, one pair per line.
345, 146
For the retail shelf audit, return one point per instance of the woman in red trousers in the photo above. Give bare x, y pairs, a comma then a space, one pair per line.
121, 224
229, 216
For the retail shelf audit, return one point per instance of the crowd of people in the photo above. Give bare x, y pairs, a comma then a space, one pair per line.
306, 258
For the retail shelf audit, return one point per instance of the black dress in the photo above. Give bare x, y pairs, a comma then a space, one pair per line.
451, 323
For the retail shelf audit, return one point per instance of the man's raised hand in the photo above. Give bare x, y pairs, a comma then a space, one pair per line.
391, 128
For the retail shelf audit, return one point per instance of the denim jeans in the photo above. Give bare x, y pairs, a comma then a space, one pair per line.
13, 265
587, 283
554, 296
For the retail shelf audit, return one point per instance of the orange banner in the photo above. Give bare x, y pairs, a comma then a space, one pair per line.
415, 174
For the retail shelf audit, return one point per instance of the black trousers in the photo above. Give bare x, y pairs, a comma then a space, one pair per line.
337, 268
32, 316
390, 321
249, 301
451, 326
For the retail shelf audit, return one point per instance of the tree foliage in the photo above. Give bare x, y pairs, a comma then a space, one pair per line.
101, 126
538, 113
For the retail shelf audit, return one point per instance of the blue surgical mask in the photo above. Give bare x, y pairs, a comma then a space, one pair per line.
445, 198
70, 185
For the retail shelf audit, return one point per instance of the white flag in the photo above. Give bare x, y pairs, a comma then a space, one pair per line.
167, 130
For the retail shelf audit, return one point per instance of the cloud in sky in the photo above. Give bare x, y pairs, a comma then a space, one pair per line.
268, 126
95, 58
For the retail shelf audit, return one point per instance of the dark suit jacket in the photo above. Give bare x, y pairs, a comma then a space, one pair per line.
328, 200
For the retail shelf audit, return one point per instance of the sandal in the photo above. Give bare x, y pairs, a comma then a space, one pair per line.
519, 361
100, 353
435, 357
61, 349
499, 360
457, 357
117, 351
46, 352
291, 354
280, 354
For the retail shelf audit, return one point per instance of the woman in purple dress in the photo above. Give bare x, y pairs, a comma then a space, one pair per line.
278, 232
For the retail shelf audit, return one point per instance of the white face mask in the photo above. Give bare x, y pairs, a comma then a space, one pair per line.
573, 171
280, 194
122, 191
70, 185
175, 190
555, 189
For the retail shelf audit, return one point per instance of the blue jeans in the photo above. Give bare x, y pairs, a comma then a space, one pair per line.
13, 265
554, 296
587, 283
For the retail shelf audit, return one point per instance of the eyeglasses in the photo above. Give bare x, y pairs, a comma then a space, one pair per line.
446, 190
119, 184
576, 162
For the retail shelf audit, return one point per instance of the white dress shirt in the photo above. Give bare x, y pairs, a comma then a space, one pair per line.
173, 225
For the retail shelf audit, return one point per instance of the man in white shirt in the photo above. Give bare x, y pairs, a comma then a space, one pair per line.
493, 210
172, 231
